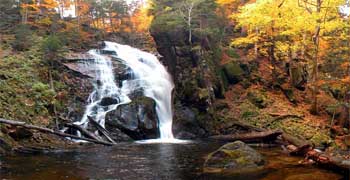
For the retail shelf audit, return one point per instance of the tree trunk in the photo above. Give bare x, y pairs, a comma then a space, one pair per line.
316, 41
189, 25
76, 5
266, 136
256, 48
101, 129
50, 131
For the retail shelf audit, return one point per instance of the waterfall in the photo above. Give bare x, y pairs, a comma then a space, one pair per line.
147, 75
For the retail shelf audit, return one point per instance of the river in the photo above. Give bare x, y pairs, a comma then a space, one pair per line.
149, 161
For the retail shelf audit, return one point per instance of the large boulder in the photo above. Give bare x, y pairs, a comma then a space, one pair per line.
185, 124
233, 72
235, 157
137, 119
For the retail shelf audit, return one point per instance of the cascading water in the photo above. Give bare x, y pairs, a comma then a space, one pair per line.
147, 74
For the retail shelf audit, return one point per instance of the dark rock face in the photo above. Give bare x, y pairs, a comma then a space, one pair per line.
233, 158
107, 101
197, 84
20, 133
185, 124
137, 119
80, 86
116, 134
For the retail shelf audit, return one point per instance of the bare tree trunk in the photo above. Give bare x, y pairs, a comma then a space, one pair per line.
50, 131
189, 22
303, 47
25, 15
76, 5
256, 49
271, 53
111, 22
316, 41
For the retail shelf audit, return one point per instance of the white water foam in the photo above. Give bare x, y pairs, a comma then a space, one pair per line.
148, 74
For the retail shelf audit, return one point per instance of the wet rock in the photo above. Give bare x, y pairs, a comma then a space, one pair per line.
235, 157
20, 133
72, 56
116, 134
108, 52
137, 119
107, 101
233, 72
185, 135
185, 124
80, 68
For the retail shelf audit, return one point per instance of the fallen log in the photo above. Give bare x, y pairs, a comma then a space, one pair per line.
323, 159
296, 145
83, 131
50, 131
101, 129
266, 136
300, 147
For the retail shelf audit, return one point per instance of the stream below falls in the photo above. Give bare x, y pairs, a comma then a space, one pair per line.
149, 161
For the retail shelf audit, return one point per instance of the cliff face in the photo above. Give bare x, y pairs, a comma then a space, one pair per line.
196, 75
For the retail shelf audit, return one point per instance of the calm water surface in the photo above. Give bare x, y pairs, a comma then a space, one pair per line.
147, 161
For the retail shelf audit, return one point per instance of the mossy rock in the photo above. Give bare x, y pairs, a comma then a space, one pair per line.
236, 157
233, 72
258, 98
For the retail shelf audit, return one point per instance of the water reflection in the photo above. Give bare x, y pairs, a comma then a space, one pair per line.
144, 161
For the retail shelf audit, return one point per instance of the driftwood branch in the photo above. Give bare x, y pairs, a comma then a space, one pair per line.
296, 145
266, 136
50, 131
325, 160
83, 131
304, 148
101, 129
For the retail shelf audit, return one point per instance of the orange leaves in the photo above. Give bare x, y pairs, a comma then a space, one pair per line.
345, 65
141, 20
346, 80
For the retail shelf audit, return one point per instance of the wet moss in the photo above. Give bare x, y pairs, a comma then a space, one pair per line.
233, 72
253, 115
319, 137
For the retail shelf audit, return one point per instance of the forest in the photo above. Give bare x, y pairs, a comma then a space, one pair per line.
175, 89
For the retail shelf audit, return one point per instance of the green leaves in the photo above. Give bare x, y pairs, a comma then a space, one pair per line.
52, 44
